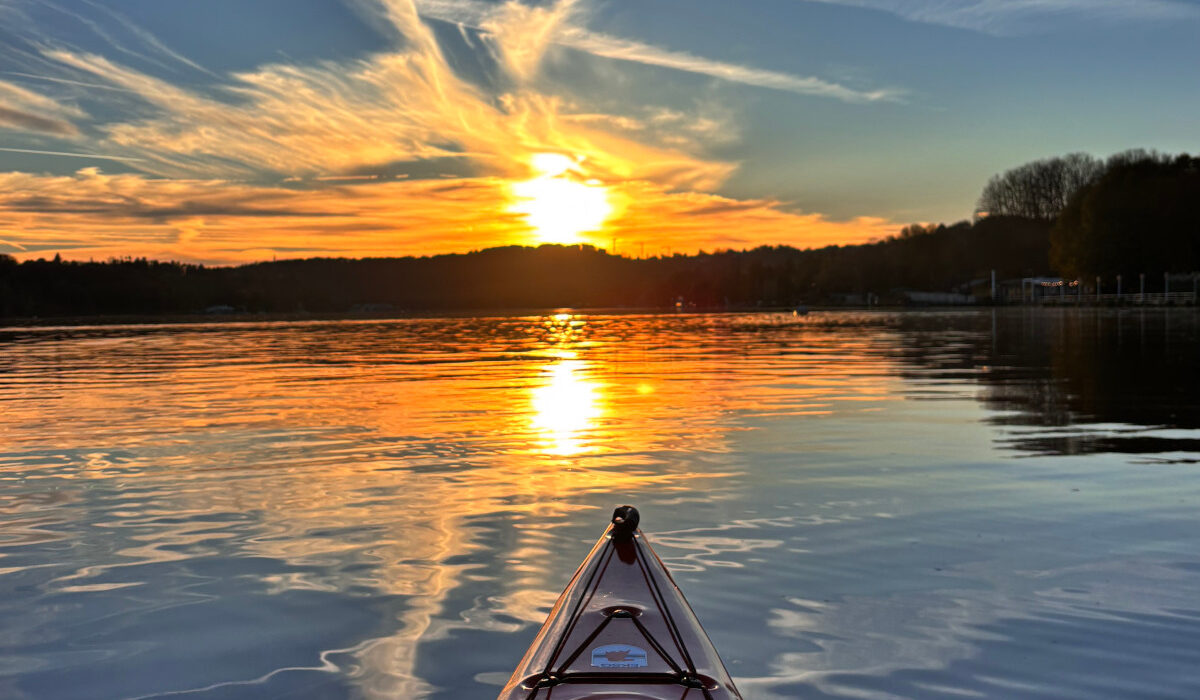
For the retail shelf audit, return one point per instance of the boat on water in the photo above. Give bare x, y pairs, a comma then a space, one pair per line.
621, 630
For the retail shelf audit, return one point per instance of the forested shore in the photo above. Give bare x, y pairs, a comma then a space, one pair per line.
1072, 216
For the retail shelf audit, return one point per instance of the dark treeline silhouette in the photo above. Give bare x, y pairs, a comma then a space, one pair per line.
934, 257
1141, 214
1042, 189
1136, 212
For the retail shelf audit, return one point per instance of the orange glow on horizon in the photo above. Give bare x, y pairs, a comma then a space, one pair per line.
103, 215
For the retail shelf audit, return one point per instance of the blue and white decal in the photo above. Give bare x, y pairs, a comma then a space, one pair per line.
619, 656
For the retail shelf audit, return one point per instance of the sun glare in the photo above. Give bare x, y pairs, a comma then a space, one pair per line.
565, 406
552, 164
557, 203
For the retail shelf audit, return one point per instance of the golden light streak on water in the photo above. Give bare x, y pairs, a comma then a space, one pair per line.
566, 407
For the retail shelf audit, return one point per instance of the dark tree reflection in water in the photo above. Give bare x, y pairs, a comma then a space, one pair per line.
1073, 381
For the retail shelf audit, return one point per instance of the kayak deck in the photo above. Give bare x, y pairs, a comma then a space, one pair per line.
621, 630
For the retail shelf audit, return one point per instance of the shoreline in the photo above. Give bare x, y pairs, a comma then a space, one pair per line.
300, 317
202, 319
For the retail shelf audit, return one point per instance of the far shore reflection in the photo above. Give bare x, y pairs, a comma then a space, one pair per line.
1072, 381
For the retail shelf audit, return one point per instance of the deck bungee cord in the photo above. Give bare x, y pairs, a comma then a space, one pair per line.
621, 630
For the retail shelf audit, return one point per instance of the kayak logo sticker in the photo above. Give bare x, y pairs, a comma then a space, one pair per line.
619, 656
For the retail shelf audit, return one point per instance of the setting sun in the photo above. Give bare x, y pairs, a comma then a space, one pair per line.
558, 204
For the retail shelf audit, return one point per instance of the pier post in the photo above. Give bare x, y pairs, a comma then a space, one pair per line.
1166, 282
1141, 287
1118, 288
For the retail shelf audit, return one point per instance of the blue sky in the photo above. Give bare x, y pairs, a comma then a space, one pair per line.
231, 130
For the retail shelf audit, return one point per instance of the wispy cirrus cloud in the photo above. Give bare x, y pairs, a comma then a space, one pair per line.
1017, 16
552, 26
705, 125
26, 110
344, 117
150, 41
65, 81
120, 34
26, 121
637, 52
67, 154
522, 33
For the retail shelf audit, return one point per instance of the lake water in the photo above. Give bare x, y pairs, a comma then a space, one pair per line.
858, 505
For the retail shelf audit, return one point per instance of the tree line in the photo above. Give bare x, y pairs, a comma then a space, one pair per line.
1138, 211
922, 257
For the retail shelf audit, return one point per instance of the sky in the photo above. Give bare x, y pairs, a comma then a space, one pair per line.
229, 131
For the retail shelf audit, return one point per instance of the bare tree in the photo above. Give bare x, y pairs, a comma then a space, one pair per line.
1039, 190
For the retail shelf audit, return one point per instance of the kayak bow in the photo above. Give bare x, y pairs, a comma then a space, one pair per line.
621, 630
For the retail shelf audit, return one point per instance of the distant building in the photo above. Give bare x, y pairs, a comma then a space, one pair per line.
1037, 288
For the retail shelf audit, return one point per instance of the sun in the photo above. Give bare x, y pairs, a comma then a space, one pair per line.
558, 203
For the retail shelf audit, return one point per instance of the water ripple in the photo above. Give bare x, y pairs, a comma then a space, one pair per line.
891, 505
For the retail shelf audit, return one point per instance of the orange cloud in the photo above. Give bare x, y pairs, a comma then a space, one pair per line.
332, 134
94, 215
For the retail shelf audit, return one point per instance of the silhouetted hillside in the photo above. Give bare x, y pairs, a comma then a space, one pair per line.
937, 258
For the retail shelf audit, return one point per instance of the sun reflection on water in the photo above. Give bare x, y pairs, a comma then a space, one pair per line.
566, 407
331, 460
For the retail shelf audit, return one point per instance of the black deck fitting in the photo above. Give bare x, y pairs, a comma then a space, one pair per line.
625, 522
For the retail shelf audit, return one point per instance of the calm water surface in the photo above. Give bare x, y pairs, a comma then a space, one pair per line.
858, 505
